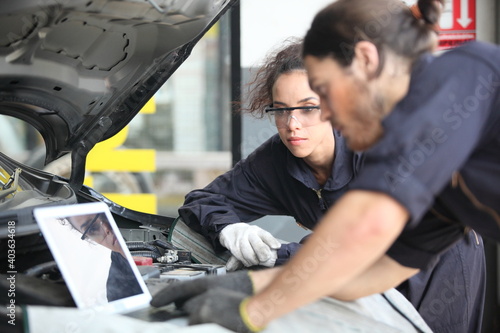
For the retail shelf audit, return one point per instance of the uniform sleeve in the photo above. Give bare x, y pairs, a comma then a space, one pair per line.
240, 195
285, 252
421, 247
431, 133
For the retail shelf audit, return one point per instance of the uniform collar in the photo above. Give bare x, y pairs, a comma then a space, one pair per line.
342, 171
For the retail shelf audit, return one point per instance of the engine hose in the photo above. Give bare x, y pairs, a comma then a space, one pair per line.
149, 254
132, 246
163, 244
41, 268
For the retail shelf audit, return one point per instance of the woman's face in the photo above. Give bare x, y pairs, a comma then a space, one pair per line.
309, 141
98, 230
348, 101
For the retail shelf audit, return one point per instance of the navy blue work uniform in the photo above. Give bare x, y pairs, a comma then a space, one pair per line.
271, 181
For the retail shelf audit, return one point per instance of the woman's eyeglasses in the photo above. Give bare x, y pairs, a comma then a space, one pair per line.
306, 115
95, 230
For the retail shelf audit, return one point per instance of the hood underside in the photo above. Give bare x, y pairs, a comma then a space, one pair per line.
79, 71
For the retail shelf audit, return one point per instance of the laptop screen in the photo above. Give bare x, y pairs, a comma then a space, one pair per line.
93, 257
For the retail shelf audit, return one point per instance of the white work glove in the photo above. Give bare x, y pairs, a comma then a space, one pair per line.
249, 245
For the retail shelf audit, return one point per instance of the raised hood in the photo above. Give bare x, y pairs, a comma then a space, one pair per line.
79, 71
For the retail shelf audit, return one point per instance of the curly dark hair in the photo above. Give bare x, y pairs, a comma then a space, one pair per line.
286, 59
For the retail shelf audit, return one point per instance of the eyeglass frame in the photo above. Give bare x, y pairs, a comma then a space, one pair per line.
290, 109
94, 219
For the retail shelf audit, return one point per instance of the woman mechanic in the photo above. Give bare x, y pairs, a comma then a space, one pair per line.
301, 172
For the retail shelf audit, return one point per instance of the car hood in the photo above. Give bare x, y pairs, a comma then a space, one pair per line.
79, 71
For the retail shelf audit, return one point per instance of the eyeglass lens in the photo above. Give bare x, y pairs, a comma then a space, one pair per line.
305, 116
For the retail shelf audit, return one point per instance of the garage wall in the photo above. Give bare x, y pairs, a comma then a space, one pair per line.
264, 24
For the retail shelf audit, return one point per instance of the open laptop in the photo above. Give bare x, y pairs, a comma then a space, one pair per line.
95, 261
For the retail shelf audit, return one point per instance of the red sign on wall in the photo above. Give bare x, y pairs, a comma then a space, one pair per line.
457, 23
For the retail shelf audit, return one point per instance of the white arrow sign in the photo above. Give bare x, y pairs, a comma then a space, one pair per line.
464, 19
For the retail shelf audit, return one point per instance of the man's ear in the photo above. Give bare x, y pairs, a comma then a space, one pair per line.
366, 58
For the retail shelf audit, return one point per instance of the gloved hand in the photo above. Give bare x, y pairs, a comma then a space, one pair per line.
249, 244
181, 291
221, 306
